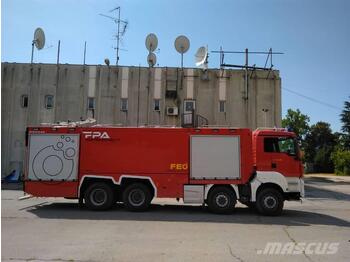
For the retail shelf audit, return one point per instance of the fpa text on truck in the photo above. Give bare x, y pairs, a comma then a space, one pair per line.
214, 166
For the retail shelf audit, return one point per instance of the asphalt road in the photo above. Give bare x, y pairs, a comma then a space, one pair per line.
57, 230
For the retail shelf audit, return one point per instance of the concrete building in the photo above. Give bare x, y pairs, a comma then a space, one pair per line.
130, 96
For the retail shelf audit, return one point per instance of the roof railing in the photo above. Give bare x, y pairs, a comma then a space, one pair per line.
282, 129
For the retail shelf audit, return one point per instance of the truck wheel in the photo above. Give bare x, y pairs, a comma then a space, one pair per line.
99, 196
137, 197
270, 202
221, 200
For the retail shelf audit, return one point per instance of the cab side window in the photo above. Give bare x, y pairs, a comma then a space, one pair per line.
280, 145
271, 144
287, 145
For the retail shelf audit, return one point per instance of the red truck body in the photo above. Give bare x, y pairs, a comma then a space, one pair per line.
64, 161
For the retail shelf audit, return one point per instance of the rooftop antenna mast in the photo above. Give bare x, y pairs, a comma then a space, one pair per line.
121, 28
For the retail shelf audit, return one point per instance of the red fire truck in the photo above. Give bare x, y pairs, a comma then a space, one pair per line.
102, 165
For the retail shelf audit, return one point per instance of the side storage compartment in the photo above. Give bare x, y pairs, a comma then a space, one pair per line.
53, 157
215, 157
193, 194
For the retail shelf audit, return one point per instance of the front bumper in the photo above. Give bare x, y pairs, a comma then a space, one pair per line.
302, 187
296, 189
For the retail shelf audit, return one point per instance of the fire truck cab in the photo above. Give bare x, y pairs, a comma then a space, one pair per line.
102, 165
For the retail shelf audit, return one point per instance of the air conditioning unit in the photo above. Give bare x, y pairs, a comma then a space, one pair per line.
172, 111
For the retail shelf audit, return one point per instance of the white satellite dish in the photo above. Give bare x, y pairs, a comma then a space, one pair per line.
182, 44
39, 38
151, 42
38, 41
201, 57
151, 59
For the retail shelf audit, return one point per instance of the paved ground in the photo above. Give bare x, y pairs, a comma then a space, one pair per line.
57, 230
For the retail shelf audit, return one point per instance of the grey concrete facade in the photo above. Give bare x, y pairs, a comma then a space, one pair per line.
129, 96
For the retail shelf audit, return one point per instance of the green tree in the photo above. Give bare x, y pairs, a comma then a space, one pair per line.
298, 122
319, 145
341, 156
345, 119
341, 160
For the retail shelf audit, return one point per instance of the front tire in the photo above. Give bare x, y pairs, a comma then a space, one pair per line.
99, 196
221, 200
270, 202
137, 197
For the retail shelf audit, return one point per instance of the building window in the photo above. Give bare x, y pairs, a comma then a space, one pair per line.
24, 101
222, 106
124, 104
189, 106
156, 105
91, 103
49, 101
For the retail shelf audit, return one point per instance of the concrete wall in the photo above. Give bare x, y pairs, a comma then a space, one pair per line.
72, 85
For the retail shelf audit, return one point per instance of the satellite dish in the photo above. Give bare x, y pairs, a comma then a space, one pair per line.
151, 59
151, 42
182, 44
39, 38
107, 62
38, 41
201, 57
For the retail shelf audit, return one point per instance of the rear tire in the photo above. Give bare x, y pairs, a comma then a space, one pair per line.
270, 202
137, 197
99, 196
221, 200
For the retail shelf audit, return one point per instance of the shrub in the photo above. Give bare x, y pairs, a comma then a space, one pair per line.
341, 160
322, 160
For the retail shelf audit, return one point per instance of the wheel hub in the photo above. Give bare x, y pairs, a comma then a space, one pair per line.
221, 200
98, 197
270, 202
137, 197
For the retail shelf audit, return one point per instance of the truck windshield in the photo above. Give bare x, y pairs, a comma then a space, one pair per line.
280, 145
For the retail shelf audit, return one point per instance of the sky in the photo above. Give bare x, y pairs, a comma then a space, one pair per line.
314, 36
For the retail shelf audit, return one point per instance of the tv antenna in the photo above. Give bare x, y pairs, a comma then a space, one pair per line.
38, 41
246, 66
201, 57
151, 45
122, 26
182, 44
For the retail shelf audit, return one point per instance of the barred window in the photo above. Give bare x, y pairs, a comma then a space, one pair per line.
124, 104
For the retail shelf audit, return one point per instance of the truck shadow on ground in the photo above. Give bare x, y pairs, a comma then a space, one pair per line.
179, 213
314, 192
325, 180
